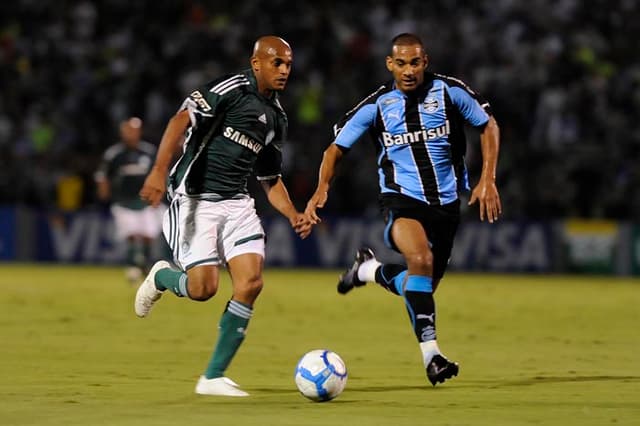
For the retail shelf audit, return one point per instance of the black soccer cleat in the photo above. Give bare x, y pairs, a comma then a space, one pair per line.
349, 278
441, 369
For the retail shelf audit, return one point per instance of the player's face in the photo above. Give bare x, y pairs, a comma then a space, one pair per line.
130, 134
273, 69
407, 64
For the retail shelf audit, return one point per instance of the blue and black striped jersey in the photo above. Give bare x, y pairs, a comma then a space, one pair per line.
419, 138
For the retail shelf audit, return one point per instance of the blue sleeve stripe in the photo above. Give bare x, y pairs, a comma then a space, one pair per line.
469, 107
356, 126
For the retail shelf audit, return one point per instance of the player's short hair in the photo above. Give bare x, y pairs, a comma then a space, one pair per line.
406, 39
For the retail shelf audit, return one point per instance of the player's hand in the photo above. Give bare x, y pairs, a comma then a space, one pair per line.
317, 201
302, 225
486, 193
154, 187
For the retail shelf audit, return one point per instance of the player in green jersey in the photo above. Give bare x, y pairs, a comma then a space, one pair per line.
228, 129
122, 171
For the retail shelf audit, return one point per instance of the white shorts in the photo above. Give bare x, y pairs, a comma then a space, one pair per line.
203, 232
145, 223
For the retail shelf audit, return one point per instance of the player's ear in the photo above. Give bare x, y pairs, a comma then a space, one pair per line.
255, 64
389, 62
426, 61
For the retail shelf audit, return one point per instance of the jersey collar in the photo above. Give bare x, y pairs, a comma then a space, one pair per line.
420, 91
274, 98
254, 85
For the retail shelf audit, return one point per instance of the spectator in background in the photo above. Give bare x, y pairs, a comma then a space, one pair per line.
98, 60
120, 176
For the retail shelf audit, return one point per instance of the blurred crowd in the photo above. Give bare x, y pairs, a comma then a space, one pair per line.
563, 80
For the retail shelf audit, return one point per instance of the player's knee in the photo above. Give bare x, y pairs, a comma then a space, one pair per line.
249, 289
202, 290
420, 262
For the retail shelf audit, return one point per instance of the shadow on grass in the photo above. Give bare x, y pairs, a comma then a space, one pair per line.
542, 380
372, 389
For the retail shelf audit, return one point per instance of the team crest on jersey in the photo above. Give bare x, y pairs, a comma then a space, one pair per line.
430, 104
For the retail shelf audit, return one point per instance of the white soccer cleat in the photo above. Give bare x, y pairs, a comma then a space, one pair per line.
147, 293
220, 386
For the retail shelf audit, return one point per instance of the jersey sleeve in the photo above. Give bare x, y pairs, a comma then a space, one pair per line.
106, 166
269, 162
204, 103
354, 123
352, 128
471, 105
200, 108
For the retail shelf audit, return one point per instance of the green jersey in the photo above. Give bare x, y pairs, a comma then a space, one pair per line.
126, 169
235, 131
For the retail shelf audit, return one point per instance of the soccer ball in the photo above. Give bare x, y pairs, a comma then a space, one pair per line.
321, 375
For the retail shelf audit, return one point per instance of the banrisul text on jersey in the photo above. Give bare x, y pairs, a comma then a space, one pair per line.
423, 135
419, 137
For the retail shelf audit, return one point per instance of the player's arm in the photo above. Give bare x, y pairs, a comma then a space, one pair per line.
346, 137
101, 177
155, 184
268, 171
330, 159
486, 192
477, 112
198, 109
103, 188
278, 197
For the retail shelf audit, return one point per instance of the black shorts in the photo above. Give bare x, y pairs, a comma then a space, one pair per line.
439, 222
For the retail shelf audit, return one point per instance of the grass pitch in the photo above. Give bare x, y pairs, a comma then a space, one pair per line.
532, 349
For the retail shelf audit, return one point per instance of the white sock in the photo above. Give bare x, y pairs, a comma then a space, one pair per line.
429, 349
367, 271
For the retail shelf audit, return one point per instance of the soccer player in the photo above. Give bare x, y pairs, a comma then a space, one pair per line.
416, 122
124, 167
234, 125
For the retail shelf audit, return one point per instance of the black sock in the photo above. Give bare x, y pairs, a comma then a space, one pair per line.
422, 312
386, 274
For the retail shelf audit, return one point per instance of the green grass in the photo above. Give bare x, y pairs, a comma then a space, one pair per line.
544, 350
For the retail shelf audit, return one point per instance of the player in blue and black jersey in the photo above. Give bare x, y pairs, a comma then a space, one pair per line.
416, 122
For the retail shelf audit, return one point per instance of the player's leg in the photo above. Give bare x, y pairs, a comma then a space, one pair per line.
193, 241
246, 276
150, 228
145, 258
125, 221
366, 268
231, 332
417, 289
134, 258
243, 245
364, 265
441, 225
